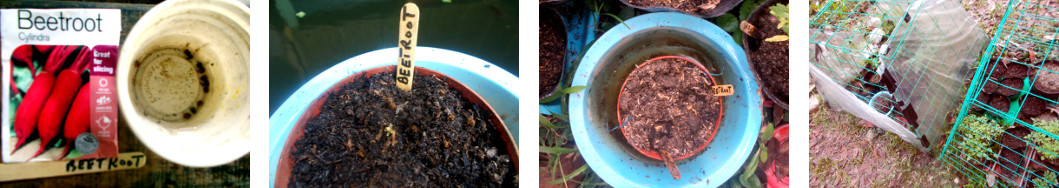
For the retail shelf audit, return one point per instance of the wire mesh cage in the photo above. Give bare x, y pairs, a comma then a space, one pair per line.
1006, 133
901, 65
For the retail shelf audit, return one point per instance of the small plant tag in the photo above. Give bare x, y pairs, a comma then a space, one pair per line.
723, 90
408, 35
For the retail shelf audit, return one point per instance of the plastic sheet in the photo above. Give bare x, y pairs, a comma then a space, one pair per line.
928, 53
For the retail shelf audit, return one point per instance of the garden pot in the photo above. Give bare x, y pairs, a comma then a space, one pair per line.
552, 45
719, 9
1047, 79
164, 112
775, 82
286, 164
644, 149
608, 62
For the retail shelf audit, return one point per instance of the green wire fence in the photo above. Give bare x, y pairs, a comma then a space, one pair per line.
1006, 133
901, 64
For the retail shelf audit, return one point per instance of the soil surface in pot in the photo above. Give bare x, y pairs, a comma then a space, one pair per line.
1048, 81
552, 46
769, 58
372, 134
690, 6
1013, 138
883, 104
668, 107
1033, 107
1000, 102
1013, 86
1010, 165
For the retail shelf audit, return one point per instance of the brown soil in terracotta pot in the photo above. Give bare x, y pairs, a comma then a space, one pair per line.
1015, 83
1048, 81
769, 58
1000, 102
669, 107
696, 6
372, 134
552, 46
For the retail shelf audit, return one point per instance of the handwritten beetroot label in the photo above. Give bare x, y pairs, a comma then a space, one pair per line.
408, 35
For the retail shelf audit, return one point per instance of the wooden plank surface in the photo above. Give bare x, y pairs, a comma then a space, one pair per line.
157, 171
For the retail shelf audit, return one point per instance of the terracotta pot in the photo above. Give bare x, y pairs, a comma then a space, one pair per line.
655, 155
283, 169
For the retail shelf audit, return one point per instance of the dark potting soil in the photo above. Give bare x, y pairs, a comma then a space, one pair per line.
982, 97
1014, 86
1013, 138
668, 107
1033, 106
1048, 81
770, 58
991, 85
1016, 70
372, 134
552, 46
1010, 164
1000, 102
883, 104
690, 6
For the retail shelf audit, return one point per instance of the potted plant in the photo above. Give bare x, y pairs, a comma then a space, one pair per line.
1047, 147
667, 111
364, 131
767, 48
552, 47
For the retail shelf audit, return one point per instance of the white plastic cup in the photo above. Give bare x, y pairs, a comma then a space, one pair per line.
152, 65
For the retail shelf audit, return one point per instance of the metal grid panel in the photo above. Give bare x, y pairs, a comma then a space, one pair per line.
1007, 133
884, 52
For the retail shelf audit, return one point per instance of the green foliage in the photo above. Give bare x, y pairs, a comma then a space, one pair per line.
1047, 147
781, 14
979, 133
1047, 178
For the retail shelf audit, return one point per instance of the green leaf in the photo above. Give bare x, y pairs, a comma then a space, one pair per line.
573, 89
552, 97
766, 134
556, 150
619, 19
563, 117
764, 154
748, 7
571, 175
544, 121
729, 23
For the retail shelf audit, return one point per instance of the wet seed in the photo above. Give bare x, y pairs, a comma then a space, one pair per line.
205, 83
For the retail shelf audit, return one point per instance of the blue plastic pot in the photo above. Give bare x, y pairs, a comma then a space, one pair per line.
610, 60
491, 82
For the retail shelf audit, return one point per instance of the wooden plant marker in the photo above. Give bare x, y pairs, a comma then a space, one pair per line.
33, 170
723, 90
406, 45
672, 166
